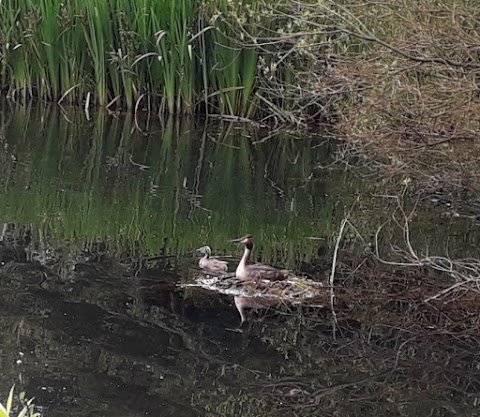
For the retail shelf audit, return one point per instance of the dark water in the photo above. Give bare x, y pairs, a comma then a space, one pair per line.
101, 219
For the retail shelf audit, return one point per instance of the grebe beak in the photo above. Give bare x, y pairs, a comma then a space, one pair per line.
241, 240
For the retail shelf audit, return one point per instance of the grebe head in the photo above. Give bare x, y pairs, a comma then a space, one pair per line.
246, 240
205, 250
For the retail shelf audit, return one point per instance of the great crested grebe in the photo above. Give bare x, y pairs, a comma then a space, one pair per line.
256, 272
211, 264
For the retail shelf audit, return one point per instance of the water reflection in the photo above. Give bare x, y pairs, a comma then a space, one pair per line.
257, 303
99, 294
107, 342
162, 192
260, 293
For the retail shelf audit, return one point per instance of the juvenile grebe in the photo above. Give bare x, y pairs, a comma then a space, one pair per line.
211, 264
256, 272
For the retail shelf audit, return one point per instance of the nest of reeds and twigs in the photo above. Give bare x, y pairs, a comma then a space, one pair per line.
292, 289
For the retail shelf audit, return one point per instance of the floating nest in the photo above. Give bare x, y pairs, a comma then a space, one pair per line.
293, 289
262, 293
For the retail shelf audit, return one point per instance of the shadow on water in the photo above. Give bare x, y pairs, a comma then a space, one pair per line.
100, 226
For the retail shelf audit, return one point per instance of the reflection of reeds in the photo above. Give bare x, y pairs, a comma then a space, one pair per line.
101, 180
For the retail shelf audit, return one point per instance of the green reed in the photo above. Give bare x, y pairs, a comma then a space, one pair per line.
127, 54
232, 63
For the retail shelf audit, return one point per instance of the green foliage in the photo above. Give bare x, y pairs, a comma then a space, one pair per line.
293, 61
27, 410
123, 51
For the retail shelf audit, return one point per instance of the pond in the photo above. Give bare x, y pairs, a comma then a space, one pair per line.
100, 313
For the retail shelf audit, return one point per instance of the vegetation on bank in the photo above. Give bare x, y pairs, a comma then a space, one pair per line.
408, 64
411, 94
27, 409
175, 56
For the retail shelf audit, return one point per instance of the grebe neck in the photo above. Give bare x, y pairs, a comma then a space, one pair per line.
246, 255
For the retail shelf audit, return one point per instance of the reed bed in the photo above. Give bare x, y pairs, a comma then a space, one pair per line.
94, 52
274, 61
171, 56
253, 59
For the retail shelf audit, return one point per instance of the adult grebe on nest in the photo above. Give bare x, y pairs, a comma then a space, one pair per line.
256, 272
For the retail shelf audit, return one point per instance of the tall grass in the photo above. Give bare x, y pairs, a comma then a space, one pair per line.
126, 54
249, 58
233, 65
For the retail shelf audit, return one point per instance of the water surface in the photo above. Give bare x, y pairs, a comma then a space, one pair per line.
101, 219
